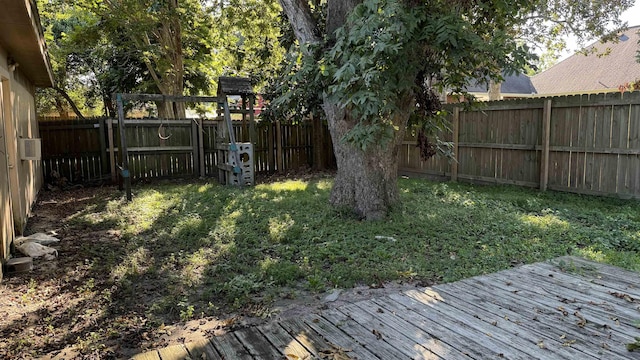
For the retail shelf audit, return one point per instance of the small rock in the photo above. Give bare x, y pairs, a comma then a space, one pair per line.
333, 296
390, 238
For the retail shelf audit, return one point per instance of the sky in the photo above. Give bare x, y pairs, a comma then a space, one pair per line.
631, 16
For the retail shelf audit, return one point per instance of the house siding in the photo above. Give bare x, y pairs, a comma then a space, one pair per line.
20, 180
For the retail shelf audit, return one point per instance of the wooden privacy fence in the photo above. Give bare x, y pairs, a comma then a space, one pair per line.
587, 144
80, 150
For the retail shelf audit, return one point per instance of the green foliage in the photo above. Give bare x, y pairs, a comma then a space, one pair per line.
64, 25
389, 48
550, 22
634, 345
107, 46
296, 92
245, 36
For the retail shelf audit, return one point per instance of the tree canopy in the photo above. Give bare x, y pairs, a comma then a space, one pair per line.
376, 64
371, 66
158, 46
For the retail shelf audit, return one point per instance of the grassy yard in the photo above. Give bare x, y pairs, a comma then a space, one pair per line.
185, 251
217, 247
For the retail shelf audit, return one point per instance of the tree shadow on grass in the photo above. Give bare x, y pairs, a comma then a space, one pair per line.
198, 250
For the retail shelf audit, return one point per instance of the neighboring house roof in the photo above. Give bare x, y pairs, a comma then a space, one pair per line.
22, 37
512, 84
593, 73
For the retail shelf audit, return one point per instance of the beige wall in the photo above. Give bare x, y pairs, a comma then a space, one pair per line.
6, 218
22, 178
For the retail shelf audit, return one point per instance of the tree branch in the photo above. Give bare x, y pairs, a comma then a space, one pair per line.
304, 27
71, 103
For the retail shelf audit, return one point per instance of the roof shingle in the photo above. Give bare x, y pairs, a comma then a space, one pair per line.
580, 73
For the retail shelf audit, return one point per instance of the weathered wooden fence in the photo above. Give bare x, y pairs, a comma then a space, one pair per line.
75, 149
80, 150
586, 144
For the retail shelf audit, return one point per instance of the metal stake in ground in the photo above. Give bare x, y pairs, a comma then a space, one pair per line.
123, 148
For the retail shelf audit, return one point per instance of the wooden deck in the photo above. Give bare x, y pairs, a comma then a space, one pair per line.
569, 308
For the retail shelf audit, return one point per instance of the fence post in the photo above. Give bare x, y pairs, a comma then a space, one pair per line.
201, 148
544, 158
112, 154
103, 147
196, 148
122, 149
270, 145
456, 133
253, 136
317, 143
279, 157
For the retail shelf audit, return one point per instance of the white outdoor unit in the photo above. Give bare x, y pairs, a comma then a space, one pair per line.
30, 149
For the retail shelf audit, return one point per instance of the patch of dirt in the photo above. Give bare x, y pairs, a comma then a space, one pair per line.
70, 308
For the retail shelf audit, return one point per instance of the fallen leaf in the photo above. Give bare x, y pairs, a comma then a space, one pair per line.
623, 296
335, 353
563, 311
581, 320
568, 343
377, 334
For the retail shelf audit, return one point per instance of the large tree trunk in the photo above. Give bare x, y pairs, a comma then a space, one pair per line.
63, 113
494, 90
366, 181
337, 13
171, 110
61, 109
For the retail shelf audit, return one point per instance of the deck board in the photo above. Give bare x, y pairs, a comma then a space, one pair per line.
549, 330
476, 305
420, 337
257, 344
470, 327
401, 308
567, 308
341, 342
550, 320
556, 297
386, 334
280, 338
202, 350
563, 309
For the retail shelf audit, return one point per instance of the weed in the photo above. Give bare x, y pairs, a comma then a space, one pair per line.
88, 286
315, 283
186, 310
240, 287
90, 343
31, 291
